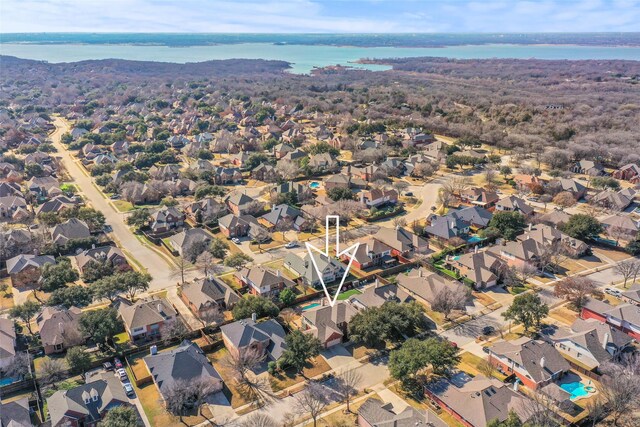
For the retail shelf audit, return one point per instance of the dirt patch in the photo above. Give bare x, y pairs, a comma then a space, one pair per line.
316, 366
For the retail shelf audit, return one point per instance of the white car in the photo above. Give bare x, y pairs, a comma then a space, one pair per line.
291, 245
122, 374
235, 240
128, 389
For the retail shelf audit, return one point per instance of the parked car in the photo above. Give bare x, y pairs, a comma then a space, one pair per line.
128, 389
409, 194
487, 330
108, 366
485, 349
608, 291
122, 374
118, 363
291, 245
235, 240
616, 293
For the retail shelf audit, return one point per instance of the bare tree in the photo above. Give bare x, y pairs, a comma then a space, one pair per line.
539, 410
259, 420
181, 267
184, 396
450, 299
597, 409
346, 385
564, 199
575, 289
490, 178
399, 222
486, 368
287, 169
205, 262
173, 330
20, 365
626, 269
620, 387
51, 371
551, 256
242, 364
312, 400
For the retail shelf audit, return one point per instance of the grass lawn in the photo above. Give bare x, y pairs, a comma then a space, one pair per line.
38, 361
564, 315
288, 378
122, 205
6, 299
67, 384
236, 397
359, 351
121, 339
279, 265
483, 298
610, 253
347, 294
339, 418
230, 279
471, 363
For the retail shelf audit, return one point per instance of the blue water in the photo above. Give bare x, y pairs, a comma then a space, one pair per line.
7, 381
475, 239
303, 58
314, 185
576, 389
310, 306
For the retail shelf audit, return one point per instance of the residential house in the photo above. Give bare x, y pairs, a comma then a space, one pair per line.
102, 254
621, 227
302, 192
13, 208
10, 189
536, 363
165, 172
519, 253
404, 243
185, 363
375, 413
237, 226
514, 204
166, 218
239, 159
344, 181
632, 295
376, 197
7, 342
280, 150
72, 229
611, 200
208, 298
588, 167
263, 281
183, 241
57, 204
283, 216
16, 241
328, 323
329, 268
44, 187
590, 343
378, 295
59, 328
265, 338
630, 172
146, 317
625, 317
483, 268
548, 236
457, 223
478, 401
526, 183
479, 197
371, 253
577, 190
239, 203
295, 155
554, 218
25, 269
424, 285
265, 172
205, 209
87, 404
15, 413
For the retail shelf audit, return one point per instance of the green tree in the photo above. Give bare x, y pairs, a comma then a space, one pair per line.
300, 347
409, 359
120, 416
255, 160
581, 226
218, 248
261, 306
633, 247
95, 270
78, 360
390, 322
133, 282
605, 182
139, 218
78, 296
25, 312
505, 171
101, 325
512, 421
56, 276
237, 260
339, 193
508, 224
527, 310
108, 287
287, 297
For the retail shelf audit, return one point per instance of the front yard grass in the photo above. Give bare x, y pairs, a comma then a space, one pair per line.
283, 380
564, 315
470, 363
122, 205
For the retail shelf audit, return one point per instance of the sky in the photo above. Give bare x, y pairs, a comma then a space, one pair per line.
319, 16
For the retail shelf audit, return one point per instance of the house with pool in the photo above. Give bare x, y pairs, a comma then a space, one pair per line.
535, 363
625, 317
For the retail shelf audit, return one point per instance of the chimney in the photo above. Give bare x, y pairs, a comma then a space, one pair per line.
542, 362
61, 327
348, 170
273, 208
153, 349
530, 226
159, 307
605, 341
377, 283
368, 248
475, 250
254, 317
278, 273
420, 272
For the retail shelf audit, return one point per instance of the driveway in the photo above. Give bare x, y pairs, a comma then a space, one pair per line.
163, 272
339, 358
220, 408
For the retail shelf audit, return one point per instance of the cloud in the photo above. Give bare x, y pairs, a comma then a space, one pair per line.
350, 16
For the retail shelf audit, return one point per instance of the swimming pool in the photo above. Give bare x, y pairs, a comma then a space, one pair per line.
475, 239
310, 306
314, 185
577, 389
8, 380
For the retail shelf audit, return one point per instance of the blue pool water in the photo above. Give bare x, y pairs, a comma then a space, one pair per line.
475, 239
576, 389
310, 306
7, 381
314, 185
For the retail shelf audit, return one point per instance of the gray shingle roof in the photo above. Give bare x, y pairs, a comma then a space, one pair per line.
146, 312
245, 332
20, 262
539, 358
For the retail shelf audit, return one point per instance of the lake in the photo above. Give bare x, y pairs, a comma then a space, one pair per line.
304, 58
